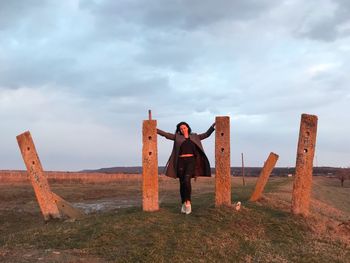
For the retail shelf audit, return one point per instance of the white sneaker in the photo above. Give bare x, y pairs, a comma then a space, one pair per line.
188, 209
183, 209
238, 206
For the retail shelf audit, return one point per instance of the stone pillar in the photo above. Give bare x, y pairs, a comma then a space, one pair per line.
264, 176
149, 166
37, 176
304, 165
222, 161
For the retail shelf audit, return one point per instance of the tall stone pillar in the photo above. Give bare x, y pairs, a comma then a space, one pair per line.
222, 161
37, 177
264, 176
304, 165
149, 166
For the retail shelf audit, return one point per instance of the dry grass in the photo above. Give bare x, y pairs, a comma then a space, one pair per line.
330, 207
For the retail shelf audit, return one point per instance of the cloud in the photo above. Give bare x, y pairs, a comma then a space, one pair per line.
75, 70
320, 69
67, 131
186, 15
328, 23
13, 12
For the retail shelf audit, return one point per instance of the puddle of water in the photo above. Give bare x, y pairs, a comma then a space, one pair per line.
105, 205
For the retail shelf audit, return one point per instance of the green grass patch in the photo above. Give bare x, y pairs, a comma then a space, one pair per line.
255, 234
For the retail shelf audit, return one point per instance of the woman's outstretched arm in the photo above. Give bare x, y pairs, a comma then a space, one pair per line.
169, 136
206, 134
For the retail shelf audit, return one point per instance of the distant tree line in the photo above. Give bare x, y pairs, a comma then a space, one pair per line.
342, 174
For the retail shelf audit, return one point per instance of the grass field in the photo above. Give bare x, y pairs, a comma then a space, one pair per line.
116, 229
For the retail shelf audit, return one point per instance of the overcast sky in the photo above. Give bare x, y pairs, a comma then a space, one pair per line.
81, 76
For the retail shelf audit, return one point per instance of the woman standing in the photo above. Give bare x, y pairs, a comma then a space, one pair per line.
187, 159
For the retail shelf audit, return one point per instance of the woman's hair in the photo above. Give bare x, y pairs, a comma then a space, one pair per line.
182, 123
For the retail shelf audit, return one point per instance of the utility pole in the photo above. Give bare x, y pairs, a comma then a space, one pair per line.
243, 170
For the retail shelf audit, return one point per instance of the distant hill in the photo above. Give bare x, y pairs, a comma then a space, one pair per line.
235, 171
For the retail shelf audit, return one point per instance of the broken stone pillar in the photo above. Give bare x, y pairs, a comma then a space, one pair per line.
264, 176
149, 166
37, 176
66, 208
222, 161
304, 165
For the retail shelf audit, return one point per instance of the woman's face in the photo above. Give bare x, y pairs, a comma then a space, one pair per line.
184, 129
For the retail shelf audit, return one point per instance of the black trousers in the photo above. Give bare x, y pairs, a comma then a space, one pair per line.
185, 171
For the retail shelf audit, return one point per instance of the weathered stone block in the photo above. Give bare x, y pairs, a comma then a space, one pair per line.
222, 161
264, 176
149, 166
304, 165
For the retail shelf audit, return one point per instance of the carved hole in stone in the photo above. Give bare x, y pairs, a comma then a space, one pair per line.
149, 137
28, 148
305, 150
149, 153
222, 150
307, 133
33, 162
222, 134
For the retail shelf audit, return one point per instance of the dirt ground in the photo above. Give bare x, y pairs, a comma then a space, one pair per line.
19, 198
93, 198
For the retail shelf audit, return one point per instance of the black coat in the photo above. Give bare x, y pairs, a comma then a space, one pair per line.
202, 166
